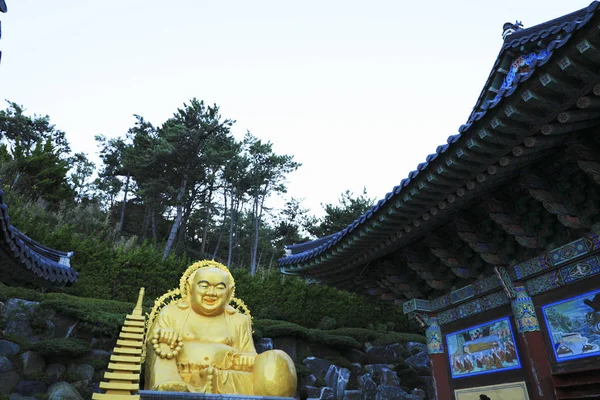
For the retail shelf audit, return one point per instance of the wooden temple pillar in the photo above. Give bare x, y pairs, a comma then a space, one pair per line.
534, 355
439, 360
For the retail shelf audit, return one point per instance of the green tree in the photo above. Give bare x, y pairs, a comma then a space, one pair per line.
339, 216
267, 174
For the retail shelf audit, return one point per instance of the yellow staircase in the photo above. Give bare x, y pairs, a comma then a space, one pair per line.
122, 379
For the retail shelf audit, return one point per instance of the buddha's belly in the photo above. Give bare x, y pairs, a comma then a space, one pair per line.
205, 354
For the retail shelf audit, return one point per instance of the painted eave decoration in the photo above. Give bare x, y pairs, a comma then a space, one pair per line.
22, 259
508, 114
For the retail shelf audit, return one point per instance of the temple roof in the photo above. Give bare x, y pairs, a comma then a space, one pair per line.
22, 259
539, 75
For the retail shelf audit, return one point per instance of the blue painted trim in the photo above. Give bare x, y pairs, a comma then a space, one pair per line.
491, 371
596, 354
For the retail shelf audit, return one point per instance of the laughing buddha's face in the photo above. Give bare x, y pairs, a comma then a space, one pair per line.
211, 291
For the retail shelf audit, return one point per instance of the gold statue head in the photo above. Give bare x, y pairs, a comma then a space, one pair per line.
209, 291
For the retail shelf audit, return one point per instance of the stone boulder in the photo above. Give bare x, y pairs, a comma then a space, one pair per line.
318, 366
56, 372
337, 379
427, 382
20, 314
308, 391
326, 394
33, 363
420, 363
352, 395
367, 386
389, 378
29, 388
356, 356
80, 372
8, 349
264, 344
17, 396
418, 394
390, 392
8, 376
63, 391
414, 348
287, 344
391, 354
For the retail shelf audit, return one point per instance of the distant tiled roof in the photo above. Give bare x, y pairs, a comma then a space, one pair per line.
519, 58
25, 260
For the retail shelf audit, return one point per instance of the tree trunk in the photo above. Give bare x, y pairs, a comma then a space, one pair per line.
231, 228
154, 233
271, 260
178, 218
145, 223
257, 216
186, 217
206, 219
122, 219
222, 227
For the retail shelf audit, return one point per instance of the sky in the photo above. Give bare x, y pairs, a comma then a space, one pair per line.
358, 92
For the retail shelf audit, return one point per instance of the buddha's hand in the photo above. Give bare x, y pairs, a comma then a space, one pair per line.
168, 336
172, 386
243, 362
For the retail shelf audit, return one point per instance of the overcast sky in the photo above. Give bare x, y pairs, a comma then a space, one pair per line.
359, 92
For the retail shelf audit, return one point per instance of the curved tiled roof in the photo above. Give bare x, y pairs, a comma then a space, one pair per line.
35, 262
554, 34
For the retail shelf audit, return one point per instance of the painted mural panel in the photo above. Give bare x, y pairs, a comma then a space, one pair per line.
574, 326
482, 349
505, 391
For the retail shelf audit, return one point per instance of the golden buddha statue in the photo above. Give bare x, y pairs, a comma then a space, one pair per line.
199, 342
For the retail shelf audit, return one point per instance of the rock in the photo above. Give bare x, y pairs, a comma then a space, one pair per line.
309, 380
418, 394
8, 349
356, 356
33, 363
263, 345
318, 366
375, 370
8, 381
390, 392
307, 391
29, 388
367, 386
337, 379
287, 344
6, 365
415, 348
65, 326
56, 372
419, 362
94, 354
17, 396
352, 395
20, 315
63, 391
80, 372
391, 354
83, 387
389, 378
428, 384
326, 394
102, 343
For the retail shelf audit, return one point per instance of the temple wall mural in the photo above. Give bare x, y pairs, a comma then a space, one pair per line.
574, 326
505, 391
482, 349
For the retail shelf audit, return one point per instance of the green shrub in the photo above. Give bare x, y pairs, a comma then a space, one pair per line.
360, 334
61, 347
339, 361
397, 337
327, 323
335, 341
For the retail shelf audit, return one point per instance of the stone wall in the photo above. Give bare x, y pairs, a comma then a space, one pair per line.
46, 355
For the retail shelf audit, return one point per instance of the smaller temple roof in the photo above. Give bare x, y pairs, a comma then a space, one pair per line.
22, 259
